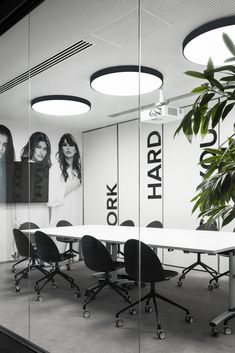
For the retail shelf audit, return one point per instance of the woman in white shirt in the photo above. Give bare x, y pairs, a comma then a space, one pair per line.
64, 181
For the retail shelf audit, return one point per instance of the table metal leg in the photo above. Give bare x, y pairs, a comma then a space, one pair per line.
230, 313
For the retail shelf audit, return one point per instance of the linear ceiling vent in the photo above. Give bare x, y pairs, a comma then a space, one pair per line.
52, 61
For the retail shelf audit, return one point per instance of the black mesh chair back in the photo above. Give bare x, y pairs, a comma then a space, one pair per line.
155, 224
96, 256
128, 223
142, 270
24, 246
63, 223
205, 226
28, 225
46, 248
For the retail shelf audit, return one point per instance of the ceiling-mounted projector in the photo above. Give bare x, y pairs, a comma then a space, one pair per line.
162, 114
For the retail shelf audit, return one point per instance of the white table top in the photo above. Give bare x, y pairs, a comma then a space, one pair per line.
211, 242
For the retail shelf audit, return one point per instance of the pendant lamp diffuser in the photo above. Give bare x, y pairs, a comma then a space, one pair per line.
60, 105
126, 80
206, 41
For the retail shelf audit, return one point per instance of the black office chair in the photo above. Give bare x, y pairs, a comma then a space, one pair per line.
28, 252
213, 283
97, 258
210, 270
155, 224
25, 226
47, 251
69, 241
143, 265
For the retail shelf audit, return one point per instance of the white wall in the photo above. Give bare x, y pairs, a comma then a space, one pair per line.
135, 161
100, 176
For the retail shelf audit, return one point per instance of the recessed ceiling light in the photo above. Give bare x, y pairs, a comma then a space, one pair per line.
206, 41
126, 80
60, 105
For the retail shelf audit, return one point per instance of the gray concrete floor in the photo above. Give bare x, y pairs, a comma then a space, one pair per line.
57, 324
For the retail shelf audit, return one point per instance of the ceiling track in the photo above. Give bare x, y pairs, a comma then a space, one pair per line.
45, 65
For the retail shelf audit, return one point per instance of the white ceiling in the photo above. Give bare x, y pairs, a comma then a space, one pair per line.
112, 27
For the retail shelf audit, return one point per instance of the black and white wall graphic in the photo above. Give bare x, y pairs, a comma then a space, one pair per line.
41, 179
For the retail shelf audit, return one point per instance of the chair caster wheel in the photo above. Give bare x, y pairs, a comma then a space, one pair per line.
119, 322
86, 314
214, 332
128, 298
132, 312
54, 285
210, 287
216, 285
148, 309
40, 298
68, 267
227, 330
189, 319
17, 288
179, 283
77, 294
161, 334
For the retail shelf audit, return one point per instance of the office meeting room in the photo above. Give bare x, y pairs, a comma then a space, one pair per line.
117, 176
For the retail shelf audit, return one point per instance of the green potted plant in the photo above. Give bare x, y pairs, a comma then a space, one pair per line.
215, 196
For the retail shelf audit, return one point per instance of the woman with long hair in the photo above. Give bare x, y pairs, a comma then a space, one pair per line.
7, 151
64, 181
7, 156
69, 157
37, 149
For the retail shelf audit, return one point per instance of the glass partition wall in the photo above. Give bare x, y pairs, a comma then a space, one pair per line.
14, 130
91, 164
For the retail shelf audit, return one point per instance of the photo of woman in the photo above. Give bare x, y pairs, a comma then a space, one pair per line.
7, 156
37, 149
64, 182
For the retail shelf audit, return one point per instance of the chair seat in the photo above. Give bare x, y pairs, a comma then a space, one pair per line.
67, 240
118, 265
66, 256
170, 274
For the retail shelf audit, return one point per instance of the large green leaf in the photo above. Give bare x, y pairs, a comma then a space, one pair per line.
229, 59
200, 89
218, 113
216, 83
227, 110
228, 78
206, 98
229, 43
196, 74
230, 217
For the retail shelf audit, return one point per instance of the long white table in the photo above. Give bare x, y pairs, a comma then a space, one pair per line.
210, 242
